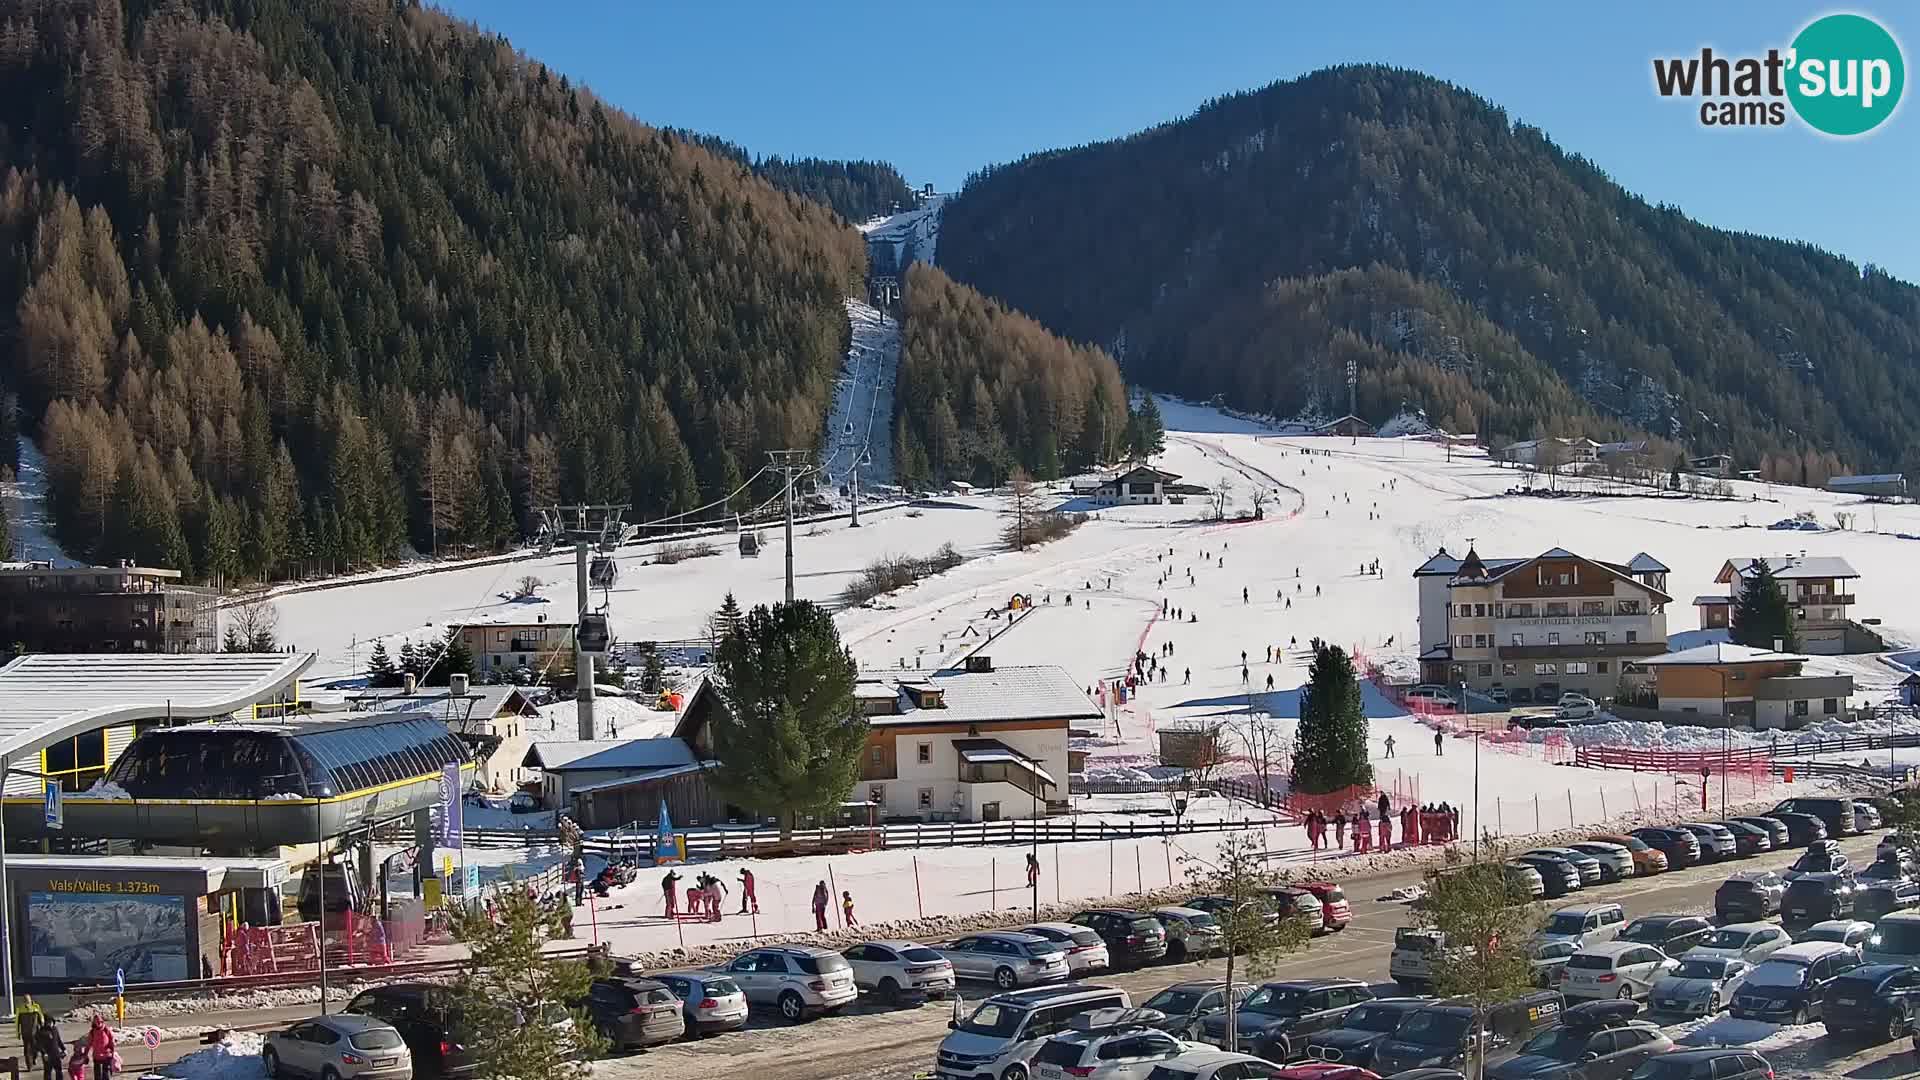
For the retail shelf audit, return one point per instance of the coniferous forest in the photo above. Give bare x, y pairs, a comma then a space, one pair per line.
1472, 268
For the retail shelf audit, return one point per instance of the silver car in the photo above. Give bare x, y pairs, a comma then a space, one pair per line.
799, 980
1190, 932
1698, 985
1007, 959
347, 1046
896, 971
1614, 969
710, 1001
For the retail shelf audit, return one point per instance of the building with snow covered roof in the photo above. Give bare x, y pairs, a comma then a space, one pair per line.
569, 765
1347, 427
491, 720
1137, 486
1761, 687
1540, 626
1874, 486
1819, 587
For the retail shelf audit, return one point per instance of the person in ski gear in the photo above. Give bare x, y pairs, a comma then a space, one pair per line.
1389, 746
746, 892
821, 898
669, 888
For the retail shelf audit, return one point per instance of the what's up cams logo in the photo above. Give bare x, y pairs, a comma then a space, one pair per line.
1842, 76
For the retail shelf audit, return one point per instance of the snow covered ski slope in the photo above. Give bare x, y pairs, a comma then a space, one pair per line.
860, 427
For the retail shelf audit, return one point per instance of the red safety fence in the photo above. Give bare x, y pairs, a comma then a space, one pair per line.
1756, 760
352, 939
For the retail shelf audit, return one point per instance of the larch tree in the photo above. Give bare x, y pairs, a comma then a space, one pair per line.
787, 734
1484, 922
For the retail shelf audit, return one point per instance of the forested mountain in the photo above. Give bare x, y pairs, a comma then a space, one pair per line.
981, 389
856, 190
1469, 265
293, 284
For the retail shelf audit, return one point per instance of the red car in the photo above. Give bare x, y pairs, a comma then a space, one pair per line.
1324, 1070
1335, 911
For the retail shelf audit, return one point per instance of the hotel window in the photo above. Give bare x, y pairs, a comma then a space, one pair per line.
1479, 611
1519, 639
1545, 669
1576, 667
1466, 641
499, 635
1633, 636
1499, 611
1480, 641
926, 798
1600, 668
1557, 610
1509, 669
1627, 607
1593, 607
1520, 611
1486, 671
876, 755
1829, 706
1553, 637
1596, 637
924, 753
1828, 613
1799, 708
1565, 579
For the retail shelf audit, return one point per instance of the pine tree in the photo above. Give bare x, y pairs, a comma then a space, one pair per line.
381, 671
653, 672
1330, 750
411, 662
722, 624
1146, 431
453, 658
787, 735
510, 983
1761, 614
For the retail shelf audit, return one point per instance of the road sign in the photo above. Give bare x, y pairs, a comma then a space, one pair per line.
55, 810
151, 1036
120, 981
473, 880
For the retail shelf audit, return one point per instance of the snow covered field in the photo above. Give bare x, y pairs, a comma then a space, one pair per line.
25, 500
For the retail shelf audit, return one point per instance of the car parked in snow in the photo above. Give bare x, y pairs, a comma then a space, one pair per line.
798, 980
1749, 894
1584, 924
1086, 951
1787, 987
1717, 842
1191, 933
1005, 958
895, 971
1749, 941
1698, 985
1614, 969
1107, 1044
1184, 1004
1616, 860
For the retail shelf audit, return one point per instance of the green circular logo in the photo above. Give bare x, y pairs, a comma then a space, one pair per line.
1847, 74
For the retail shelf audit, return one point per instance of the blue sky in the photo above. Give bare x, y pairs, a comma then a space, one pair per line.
942, 89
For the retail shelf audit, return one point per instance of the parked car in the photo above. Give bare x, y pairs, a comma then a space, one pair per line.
1671, 934
1190, 932
1802, 829
1749, 941
1431, 696
1813, 898
1895, 940
711, 1002
1216, 906
1211, 1064
429, 1022
1876, 898
1106, 1044
1698, 985
1616, 860
635, 1012
1184, 1004
1835, 813
1559, 876
1007, 959
1361, 1030
1821, 857
1441, 1035
1647, 859
1548, 958
1681, 847
346, 1046
1584, 924
1411, 962
1526, 881
1133, 937
1289, 902
1086, 950
895, 971
1787, 987
1775, 829
1613, 969
1587, 865
1335, 911
1499, 696
1716, 841
1866, 816
798, 980
1749, 894
1719, 1063
1576, 707
1853, 933
1890, 845
1596, 1041
1748, 838
996, 1040
1874, 999
1276, 1018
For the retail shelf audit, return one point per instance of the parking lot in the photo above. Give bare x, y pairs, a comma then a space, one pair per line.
872, 1043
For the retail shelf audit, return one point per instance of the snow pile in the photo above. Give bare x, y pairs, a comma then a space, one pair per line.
1727, 1030
106, 789
1406, 423
1649, 736
283, 796
235, 1058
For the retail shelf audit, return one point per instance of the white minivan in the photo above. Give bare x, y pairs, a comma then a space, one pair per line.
1584, 924
998, 1041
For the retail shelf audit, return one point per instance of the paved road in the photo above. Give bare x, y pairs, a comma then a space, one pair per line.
870, 1043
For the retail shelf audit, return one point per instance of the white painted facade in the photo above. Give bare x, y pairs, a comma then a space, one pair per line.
932, 788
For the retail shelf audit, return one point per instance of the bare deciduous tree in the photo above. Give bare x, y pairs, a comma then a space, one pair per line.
1222, 496
527, 586
251, 625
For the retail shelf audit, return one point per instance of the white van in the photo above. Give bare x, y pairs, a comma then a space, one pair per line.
1008, 1029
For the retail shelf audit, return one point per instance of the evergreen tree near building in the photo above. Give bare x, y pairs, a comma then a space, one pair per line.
787, 734
381, 671
509, 984
1330, 749
725, 621
1146, 431
1761, 613
454, 658
411, 662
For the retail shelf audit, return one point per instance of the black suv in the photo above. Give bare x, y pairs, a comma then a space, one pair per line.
1671, 934
1441, 1035
1599, 1040
1789, 986
1836, 814
1813, 898
1748, 897
1878, 999
1362, 1029
1278, 1016
1802, 829
428, 1022
1775, 829
1681, 847
1133, 937
1720, 1063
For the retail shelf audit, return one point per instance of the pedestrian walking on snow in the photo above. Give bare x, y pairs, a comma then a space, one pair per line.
1033, 871
1189, 679
821, 898
1439, 749
746, 892
1389, 746
670, 888
846, 903
1269, 684
1340, 830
